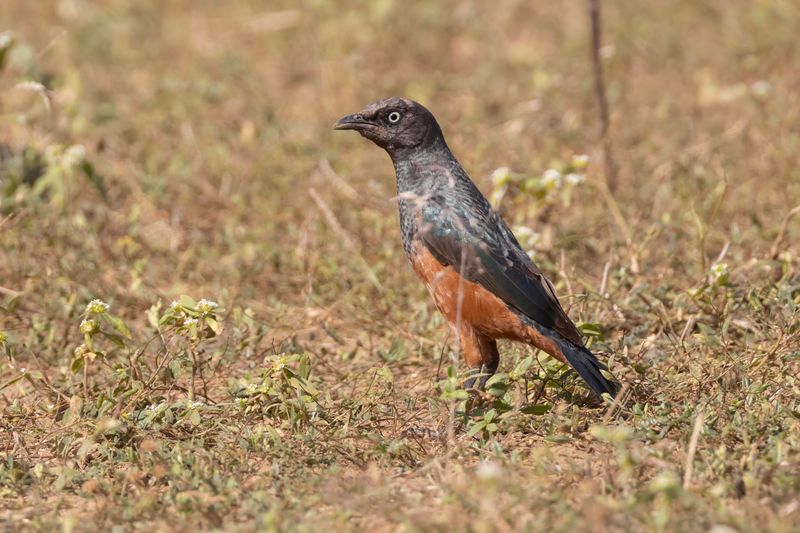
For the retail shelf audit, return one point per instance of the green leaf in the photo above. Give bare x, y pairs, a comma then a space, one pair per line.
496, 378
538, 409
94, 178
612, 434
591, 330
10, 382
77, 364
176, 368
152, 315
497, 390
187, 301
557, 438
608, 375
304, 385
274, 435
215, 326
8, 44
476, 427
459, 394
523, 366
385, 373
113, 337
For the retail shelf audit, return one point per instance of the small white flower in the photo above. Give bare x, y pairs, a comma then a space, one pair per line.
174, 305
527, 236
280, 363
156, 407
497, 195
501, 176
488, 470
96, 307
6, 39
719, 273
190, 322
719, 269
551, 178
761, 88
251, 389
523, 232
580, 161
205, 307
88, 326
74, 156
574, 178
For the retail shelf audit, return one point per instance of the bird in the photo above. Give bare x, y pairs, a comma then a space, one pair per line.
479, 277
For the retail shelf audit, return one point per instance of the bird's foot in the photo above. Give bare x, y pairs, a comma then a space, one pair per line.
477, 378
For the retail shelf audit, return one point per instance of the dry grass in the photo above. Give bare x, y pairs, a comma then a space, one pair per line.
205, 165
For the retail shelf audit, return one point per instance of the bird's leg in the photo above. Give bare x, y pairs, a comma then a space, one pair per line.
471, 349
481, 356
491, 359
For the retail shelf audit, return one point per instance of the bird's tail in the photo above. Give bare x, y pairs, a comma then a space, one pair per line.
593, 372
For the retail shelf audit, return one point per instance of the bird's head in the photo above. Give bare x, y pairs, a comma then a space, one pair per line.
395, 124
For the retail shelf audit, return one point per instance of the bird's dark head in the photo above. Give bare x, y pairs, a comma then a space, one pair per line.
395, 124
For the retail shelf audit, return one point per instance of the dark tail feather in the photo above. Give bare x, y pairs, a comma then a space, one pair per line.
589, 368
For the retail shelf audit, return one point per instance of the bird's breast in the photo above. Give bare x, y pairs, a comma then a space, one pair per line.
463, 302
408, 225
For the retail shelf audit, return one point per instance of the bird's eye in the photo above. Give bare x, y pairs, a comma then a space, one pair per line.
394, 117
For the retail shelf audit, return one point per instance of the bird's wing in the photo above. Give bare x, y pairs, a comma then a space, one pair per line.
480, 246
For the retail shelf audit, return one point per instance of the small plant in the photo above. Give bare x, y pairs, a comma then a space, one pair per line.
195, 322
97, 325
29, 176
7, 40
485, 424
284, 392
554, 185
5, 345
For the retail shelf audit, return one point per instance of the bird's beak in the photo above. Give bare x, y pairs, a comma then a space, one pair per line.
352, 122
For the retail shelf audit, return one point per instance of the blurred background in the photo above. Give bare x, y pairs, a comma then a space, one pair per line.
209, 122
150, 149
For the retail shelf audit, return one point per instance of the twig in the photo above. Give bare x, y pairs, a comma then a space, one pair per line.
773, 251
604, 280
6, 219
441, 358
348, 241
619, 399
193, 353
704, 228
600, 96
698, 425
9, 292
